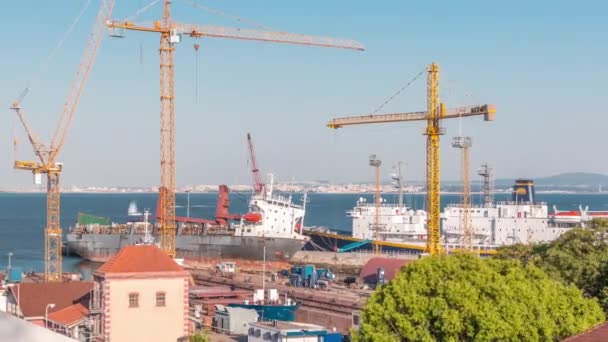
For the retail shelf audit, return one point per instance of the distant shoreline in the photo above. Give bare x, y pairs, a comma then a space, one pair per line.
132, 192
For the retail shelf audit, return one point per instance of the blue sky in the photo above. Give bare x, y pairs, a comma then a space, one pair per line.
543, 63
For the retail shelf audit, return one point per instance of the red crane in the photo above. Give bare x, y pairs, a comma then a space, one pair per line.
258, 185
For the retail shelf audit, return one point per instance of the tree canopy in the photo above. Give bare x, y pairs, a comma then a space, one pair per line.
464, 297
579, 257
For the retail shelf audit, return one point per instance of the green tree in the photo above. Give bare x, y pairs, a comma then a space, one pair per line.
199, 338
579, 257
466, 298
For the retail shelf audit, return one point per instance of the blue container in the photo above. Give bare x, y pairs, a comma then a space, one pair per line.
15, 275
296, 270
333, 337
308, 271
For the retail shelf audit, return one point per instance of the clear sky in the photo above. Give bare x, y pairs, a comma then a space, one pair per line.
543, 63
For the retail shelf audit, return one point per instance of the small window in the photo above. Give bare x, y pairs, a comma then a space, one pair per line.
133, 300
160, 299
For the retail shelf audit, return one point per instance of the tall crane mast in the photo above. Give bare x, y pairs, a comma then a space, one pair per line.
435, 113
464, 144
258, 185
47, 154
170, 34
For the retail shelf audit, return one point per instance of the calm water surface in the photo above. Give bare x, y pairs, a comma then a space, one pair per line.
22, 216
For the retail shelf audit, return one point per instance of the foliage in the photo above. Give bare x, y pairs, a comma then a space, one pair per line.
579, 257
199, 338
464, 297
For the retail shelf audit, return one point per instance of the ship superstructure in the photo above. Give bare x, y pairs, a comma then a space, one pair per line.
521, 220
397, 222
273, 215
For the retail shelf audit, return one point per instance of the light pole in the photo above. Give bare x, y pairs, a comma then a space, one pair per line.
10, 254
188, 203
375, 163
46, 314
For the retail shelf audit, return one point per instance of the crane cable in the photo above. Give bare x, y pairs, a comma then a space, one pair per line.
141, 10
225, 15
44, 66
399, 91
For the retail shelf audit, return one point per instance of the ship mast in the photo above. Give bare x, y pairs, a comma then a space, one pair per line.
486, 172
375, 163
397, 177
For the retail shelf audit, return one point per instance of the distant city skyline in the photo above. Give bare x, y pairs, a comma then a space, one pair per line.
545, 74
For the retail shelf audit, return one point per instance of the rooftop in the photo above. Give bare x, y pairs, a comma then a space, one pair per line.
34, 297
139, 259
391, 266
69, 315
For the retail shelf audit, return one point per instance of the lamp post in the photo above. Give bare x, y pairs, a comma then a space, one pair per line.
188, 203
46, 314
10, 254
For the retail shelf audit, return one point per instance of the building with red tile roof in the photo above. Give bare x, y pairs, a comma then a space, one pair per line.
139, 259
143, 296
391, 266
30, 300
62, 306
71, 321
69, 315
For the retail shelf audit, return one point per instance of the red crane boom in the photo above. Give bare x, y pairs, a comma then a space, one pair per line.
258, 185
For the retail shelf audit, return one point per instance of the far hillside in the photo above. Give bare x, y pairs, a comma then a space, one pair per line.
566, 179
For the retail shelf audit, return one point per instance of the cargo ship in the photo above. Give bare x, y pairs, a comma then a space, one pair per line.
523, 219
272, 222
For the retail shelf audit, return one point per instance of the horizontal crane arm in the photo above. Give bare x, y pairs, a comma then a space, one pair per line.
267, 36
487, 110
127, 25
199, 31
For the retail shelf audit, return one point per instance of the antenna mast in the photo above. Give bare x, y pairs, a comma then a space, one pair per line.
397, 177
486, 172
375, 163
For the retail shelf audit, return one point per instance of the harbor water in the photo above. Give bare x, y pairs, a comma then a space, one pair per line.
23, 215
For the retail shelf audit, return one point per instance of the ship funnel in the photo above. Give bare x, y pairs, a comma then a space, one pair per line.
523, 191
133, 211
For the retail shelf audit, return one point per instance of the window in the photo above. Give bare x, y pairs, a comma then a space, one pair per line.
133, 300
160, 299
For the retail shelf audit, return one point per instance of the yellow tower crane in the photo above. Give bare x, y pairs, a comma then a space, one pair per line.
433, 115
464, 144
47, 154
170, 34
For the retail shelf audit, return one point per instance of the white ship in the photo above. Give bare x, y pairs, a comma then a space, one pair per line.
521, 220
397, 222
